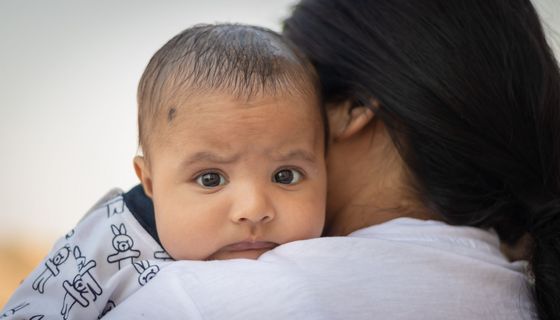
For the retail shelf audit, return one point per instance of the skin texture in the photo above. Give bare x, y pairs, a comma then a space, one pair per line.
245, 143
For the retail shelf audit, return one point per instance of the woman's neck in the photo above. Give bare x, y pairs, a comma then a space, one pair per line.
371, 209
376, 188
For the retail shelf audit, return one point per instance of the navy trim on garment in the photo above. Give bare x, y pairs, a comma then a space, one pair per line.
142, 208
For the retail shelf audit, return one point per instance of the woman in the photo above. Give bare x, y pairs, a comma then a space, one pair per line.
468, 92
445, 125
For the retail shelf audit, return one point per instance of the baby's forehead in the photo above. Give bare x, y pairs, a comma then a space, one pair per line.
212, 103
216, 117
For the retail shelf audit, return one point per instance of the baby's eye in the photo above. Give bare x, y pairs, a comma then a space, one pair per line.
287, 176
211, 180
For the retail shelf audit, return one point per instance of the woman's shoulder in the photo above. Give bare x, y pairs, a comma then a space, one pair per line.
361, 276
409, 236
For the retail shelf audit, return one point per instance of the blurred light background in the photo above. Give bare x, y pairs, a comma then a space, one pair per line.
68, 76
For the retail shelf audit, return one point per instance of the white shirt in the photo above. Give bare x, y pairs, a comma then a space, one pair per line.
402, 269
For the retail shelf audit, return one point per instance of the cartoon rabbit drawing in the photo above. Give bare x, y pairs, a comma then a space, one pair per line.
123, 244
83, 288
147, 272
52, 265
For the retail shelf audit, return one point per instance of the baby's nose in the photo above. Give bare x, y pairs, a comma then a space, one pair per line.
254, 207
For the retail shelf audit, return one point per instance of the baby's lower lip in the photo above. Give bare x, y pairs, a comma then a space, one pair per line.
246, 245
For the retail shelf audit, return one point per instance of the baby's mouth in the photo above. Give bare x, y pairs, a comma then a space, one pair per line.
249, 245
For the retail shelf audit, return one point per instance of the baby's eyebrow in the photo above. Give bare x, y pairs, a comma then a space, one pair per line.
297, 154
206, 156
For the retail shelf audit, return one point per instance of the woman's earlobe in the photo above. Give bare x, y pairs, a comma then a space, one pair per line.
357, 119
143, 174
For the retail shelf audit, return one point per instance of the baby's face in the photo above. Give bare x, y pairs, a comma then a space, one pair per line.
234, 179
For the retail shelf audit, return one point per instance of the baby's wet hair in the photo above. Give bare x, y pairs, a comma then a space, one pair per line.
240, 60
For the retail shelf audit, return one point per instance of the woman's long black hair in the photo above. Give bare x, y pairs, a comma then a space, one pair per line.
470, 93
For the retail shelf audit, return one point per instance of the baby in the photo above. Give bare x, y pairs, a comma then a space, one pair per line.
233, 143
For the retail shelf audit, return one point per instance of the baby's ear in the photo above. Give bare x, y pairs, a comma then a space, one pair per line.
348, 119
143, 173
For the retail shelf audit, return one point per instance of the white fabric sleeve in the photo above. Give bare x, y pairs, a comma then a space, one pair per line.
90, 269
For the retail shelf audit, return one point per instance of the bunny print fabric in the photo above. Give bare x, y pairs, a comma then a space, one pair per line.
111, 253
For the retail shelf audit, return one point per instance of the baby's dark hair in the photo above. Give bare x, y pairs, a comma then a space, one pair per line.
241, 60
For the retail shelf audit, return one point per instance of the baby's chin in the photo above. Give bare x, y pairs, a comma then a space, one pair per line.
245, 254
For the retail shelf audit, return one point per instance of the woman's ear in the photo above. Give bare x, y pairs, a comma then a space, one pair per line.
347, 119
143, 173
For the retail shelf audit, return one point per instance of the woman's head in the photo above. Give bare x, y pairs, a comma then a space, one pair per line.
469, 93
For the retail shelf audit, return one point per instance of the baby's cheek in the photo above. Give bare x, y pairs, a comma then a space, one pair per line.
173, 237
310, 222
318, 225
318, 216
188, 241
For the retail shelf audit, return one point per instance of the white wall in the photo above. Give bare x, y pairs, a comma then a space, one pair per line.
68, 76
